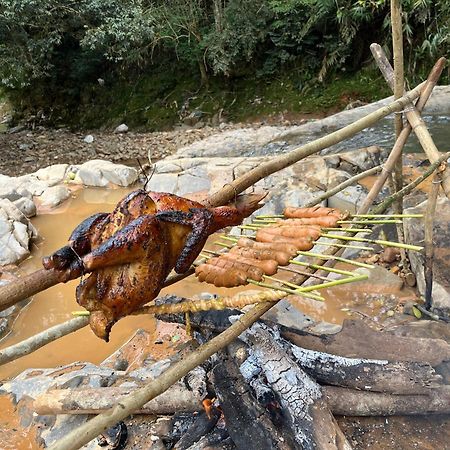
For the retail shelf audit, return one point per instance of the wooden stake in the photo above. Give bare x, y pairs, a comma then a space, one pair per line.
429, 247
375, 241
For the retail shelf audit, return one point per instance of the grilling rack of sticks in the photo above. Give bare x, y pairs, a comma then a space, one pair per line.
228, 259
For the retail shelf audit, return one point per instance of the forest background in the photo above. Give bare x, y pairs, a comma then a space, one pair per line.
94, 63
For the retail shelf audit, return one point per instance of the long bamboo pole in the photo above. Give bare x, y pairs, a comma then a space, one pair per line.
29, 285
416, 122
395, 153
399, 88
399, 83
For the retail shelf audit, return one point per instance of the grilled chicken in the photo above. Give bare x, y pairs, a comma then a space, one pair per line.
130, 251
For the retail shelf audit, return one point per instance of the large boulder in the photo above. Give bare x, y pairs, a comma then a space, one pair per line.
16, 232
414, 232
101, 173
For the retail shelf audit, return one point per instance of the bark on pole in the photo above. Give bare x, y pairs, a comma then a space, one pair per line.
429, 247
43, 279
399, 87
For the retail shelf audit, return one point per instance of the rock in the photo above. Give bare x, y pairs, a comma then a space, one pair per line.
414, 233
16, 232
52, 174
364, 158
348, 199
26, 206
98, 172
89, 139
122, 128
239, 142
54, 195
380, 281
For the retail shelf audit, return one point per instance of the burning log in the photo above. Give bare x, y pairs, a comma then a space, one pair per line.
202, 425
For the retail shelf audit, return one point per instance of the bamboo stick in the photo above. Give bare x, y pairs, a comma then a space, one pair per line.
318, 267
399, 87
356, 247
429, 247
31, 344
432, 80
337, 258
375, 241
342, 186
402, 216
417, 124
408, 188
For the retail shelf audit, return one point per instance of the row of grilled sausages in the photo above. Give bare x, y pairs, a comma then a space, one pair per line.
273, 246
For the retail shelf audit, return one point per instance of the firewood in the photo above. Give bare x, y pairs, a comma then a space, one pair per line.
398, 377
351, 402
248, 423
299, 395
357, 340
95, 400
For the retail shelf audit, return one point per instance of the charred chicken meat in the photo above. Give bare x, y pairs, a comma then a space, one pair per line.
131, 250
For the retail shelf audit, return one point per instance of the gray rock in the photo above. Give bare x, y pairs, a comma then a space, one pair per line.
16, 232
364, 158
100, 173
348, 199
166, 182
122, 128
26, 206
414, 233
52, 174
89, 139
54, 195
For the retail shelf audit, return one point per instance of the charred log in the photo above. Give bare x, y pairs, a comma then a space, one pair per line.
299, 395
248, 423
350, 402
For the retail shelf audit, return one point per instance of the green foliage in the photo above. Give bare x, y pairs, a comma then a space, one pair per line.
53, 51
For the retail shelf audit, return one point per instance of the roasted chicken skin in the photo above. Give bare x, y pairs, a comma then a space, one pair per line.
131, 250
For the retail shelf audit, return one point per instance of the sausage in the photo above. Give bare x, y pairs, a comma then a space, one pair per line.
219, 276
299, 243
276, 246
323, 221
281, 258
253, 272
315, 211
299, 232
268, 266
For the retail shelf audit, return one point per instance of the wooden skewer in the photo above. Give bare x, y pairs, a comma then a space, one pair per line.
234, 238
370, 222
374, 241
369, 216
337, 258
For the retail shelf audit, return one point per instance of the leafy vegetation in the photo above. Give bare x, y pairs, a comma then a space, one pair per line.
148, 58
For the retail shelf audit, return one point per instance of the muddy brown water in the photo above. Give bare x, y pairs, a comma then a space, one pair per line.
56, 304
